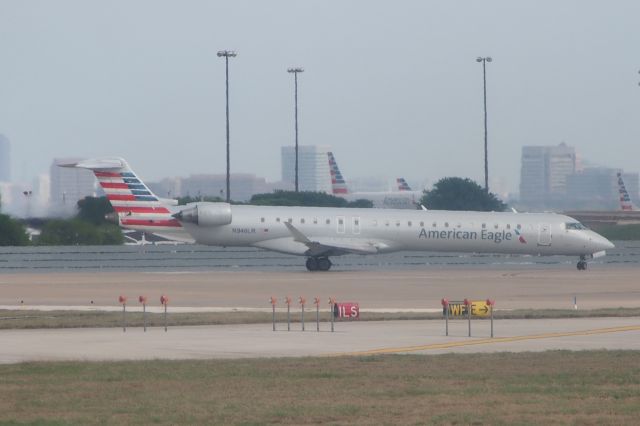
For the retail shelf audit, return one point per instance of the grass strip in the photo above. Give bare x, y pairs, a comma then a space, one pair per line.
25, 319
556, 387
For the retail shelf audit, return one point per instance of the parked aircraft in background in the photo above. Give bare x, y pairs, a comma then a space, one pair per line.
625, 200
403, 185
404, 198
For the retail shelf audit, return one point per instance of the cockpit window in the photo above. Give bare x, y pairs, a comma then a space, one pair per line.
575, 225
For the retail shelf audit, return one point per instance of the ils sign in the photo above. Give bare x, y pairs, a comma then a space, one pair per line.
479, 308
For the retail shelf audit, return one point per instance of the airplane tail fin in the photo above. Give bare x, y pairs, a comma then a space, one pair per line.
403, 185
136, 206
625, 200
338, 185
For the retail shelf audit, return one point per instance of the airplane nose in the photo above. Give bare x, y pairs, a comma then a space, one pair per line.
599, 243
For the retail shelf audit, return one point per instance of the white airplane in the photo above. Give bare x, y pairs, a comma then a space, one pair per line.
625, 201
135, 206
321, 232
404, 198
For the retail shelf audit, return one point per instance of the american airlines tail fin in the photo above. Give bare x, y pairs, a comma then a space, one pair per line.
136, 206
403, 185
338, 185
625, 200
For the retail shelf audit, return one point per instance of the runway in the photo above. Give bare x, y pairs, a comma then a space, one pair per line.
602, 287
349, 339
375, 290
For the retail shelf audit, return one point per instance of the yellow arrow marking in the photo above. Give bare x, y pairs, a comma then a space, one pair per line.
435, 346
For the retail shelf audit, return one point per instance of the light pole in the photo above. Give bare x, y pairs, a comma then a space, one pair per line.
484, 79
227, 54
295, 72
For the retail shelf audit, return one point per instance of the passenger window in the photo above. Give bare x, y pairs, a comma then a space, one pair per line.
386, 223
315, 220
508, 226
302, 220
290, 220
434, 224
446, 224
328, 221
277, 219
397, 223
495, 226
519, 226
340, 222
458, 225
262, 219
409, 223
422, 224
484, 226
356, 222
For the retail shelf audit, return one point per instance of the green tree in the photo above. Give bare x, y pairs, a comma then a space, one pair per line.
94, 209
455, 193
12, 233
305, 198
62, 232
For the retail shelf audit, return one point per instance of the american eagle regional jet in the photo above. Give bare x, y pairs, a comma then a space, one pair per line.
319, 233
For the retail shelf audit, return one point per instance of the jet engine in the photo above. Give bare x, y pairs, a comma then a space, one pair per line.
206, 214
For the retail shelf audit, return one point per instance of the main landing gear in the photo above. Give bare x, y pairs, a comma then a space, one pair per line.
582, 263
318, 264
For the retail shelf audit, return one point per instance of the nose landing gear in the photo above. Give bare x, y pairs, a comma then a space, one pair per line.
582, 264
318, 264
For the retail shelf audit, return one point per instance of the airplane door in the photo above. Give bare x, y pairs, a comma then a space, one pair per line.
544, 234
341, 225
355, 225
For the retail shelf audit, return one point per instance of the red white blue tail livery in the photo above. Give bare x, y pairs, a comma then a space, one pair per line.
625, 200
135, 205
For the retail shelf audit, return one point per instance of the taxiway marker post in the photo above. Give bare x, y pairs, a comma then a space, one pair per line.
316, 301
273, 301
445, 306
165, 301
467, 303
302, 301
143, 300
287, 300
123, 301
332, 304
490, 304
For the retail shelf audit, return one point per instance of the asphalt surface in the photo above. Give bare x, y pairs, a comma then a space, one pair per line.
374, 290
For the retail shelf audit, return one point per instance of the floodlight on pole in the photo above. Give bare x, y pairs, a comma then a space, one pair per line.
227, 54
295, 72
484, 61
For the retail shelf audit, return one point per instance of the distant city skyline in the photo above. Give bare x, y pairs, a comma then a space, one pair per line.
394, 88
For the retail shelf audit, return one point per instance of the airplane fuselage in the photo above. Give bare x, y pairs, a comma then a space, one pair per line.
387, 230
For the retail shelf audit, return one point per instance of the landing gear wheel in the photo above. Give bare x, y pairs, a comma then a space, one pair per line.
312, 264
582, 265
324, 264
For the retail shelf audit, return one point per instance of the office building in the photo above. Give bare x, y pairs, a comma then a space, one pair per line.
313, 167
543, 175
68, 186
596, 188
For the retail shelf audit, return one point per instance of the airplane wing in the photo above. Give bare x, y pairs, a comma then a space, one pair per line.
333, 246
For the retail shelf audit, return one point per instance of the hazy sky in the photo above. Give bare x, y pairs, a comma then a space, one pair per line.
392, 86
